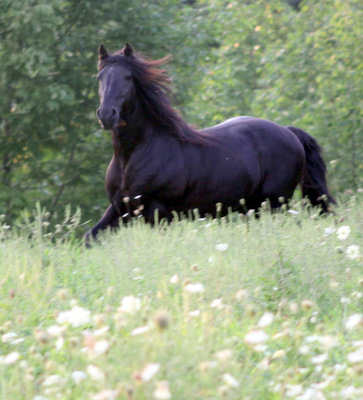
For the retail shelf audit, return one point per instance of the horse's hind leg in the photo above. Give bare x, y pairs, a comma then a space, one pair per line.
155, 212
110, 219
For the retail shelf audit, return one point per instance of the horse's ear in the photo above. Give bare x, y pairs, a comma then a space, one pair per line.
102, 52
128, 51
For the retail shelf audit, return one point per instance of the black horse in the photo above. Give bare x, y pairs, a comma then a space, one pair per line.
161, 165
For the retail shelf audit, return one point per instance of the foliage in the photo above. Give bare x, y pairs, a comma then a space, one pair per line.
265, 59
275, 303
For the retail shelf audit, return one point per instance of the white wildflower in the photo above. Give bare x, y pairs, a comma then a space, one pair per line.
101, 331
320, 359
230, 380
174, 279
194, 313
9, 337
10, 358
293, 390
101, 347
53, 380
343, 232
329, 230
217, 303
224, 355
353, 252
78, 376
59, 343
256, 337
149, 372
293, 212
55, 330
139, 331
304, 350
353, 321
95, 373
221, 246
130, 305
356, 356
106, 394
77, 316
194, 288
311, 394
266, 320
162, 391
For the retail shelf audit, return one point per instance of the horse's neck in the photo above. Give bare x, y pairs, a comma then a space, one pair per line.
127, 138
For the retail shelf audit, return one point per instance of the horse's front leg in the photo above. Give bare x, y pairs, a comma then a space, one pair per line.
110, 219
156, 211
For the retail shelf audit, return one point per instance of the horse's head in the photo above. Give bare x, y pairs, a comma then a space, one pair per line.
116, 87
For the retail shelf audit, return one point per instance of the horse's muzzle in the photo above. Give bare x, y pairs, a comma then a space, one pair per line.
109, 119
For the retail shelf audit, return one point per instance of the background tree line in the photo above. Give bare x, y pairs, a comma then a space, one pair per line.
296, 64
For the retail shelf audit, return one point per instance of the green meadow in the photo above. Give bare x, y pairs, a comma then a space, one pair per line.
231, 308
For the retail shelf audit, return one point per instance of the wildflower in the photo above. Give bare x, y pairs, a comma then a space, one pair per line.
343, 232
345, 300
107, 394
221, 246
53, 380
10, 358
217, 303
266, 320
101, 347
194, 288
194, 313
55, 330
101, 331
59, 343
278, 354
293, 390
224, 355
206, 365
256, 337
149, 372
174, 279
353, 321
353, 252
329, 230
328, 342
311, 394
230, 380
320, 359
77, 316
304, 350
9, 337
130, 305
162, 391
95, 373
293, 212
356, 356
78, 376
138, 331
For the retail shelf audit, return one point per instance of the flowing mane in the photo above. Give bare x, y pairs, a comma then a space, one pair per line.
153, 86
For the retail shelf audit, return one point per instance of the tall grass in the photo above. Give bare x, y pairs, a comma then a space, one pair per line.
236, 308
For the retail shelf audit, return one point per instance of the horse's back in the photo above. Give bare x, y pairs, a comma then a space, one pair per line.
272, 149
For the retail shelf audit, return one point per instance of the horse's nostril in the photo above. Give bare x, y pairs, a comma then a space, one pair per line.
98, 113
113, 112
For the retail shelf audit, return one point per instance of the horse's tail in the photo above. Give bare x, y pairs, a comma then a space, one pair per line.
313, 183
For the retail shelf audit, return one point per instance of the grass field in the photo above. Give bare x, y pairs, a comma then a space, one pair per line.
210, 309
